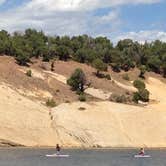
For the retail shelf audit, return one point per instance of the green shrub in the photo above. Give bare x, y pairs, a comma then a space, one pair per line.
82, 108
115, 67
100, 75
121, 99
118, 98
139, 84
77, 80
142, 71
126, 77
99, 65
50, 103
29, 73
144, 95
22, 58
82, 97
108, 77
136, 97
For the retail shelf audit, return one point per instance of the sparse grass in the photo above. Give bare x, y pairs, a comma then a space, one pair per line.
108, 77
126, 77
82, 108
51, 103
82, 97
120, 98
29, 73
57, 90
102, 75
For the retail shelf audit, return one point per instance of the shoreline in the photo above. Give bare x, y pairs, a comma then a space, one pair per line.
82, 148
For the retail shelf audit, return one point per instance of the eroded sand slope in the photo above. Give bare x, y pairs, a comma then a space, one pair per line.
27, 122
110, 124
23, 121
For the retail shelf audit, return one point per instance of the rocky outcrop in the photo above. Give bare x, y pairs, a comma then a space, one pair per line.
6, 143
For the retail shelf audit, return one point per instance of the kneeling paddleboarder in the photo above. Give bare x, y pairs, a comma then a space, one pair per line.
142, 152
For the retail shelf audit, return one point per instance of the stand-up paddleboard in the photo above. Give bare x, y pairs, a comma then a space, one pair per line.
57, 155
141, 156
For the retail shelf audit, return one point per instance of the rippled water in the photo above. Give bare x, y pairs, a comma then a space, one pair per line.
36, 157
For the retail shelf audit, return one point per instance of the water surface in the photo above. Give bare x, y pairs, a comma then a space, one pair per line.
36, 157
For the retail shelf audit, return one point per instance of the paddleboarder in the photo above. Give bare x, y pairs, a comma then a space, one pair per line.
58, 148
142, 151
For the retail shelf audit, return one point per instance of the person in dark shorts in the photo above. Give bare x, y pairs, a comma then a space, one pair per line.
58, 149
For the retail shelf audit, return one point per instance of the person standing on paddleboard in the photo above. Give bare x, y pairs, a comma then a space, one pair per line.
58, 149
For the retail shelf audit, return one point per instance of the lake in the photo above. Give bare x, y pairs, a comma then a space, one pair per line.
36, 157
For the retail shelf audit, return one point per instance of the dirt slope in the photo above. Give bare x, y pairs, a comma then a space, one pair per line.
109, 124
25, 120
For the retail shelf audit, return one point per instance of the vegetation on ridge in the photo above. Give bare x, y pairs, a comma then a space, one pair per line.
125, 55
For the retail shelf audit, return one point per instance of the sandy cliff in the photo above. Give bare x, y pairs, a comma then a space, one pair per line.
108, 124
94, 124
24, 120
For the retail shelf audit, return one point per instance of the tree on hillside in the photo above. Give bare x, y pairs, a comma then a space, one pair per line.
22, 58
63, 53
52, 65
75, 44
116, 60
77, 80
142, 94
154, 63
139, 84
106, 55
80, 55
37, 41
99, 65
85, 49
4, 42
164, 69
102, 43
126, 43
163, 66
65, 41
142, 71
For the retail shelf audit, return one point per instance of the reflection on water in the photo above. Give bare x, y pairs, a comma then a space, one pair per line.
36, 157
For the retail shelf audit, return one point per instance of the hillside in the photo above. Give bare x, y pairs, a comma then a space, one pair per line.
25, 119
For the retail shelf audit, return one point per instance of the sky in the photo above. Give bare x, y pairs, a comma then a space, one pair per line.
140, 20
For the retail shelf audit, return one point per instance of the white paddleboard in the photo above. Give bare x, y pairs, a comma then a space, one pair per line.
141, 156
57, 155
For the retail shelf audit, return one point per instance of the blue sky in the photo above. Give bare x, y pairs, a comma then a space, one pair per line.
141, 20
145, 17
